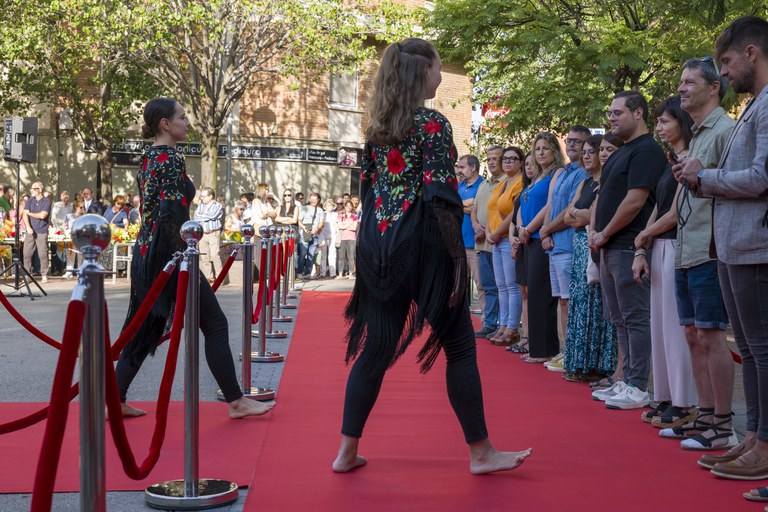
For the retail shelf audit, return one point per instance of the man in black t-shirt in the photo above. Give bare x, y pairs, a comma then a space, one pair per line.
623, 206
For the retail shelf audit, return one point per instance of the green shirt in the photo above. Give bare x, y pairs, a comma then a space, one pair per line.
5, 205
694, 219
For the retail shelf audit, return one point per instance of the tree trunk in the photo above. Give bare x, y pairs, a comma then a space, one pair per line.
104, 154
209, 160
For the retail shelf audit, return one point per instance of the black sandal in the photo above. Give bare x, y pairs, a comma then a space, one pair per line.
519, 348
701, 442
698, 426
657, 411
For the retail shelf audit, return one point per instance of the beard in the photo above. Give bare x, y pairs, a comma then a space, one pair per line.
744, 83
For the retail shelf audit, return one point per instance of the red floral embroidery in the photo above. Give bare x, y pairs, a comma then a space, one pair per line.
428, 177
378, 202
162, 157
383, 225
184, 201
395, 161
432, 127
143, 249
144, 165
406, 204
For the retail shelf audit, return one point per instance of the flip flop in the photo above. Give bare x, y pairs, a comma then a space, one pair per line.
762, 494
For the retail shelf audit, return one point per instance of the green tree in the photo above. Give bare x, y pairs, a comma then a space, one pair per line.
207, 53
63, 53
559, 62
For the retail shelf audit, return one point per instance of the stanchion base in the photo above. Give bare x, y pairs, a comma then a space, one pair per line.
282, 318
289, 306
170, 495
266, 357
259, 394
292, 294
270, 334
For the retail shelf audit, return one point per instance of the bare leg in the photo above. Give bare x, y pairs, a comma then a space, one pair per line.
720, 368
564, 316
484, 458
348, 459
699, 364
243, 407
524, 293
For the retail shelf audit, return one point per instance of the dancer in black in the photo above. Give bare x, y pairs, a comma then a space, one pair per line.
165, 192
411, 263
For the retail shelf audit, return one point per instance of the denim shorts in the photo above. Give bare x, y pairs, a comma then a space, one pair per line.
699, 299
560, 273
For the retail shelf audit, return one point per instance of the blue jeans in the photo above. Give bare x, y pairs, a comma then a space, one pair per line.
510, 299
306, 258
485, 261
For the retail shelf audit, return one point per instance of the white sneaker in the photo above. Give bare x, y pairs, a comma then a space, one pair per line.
604, 394
629, 398
44, 279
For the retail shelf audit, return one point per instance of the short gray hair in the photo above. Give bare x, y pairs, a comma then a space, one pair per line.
709, 72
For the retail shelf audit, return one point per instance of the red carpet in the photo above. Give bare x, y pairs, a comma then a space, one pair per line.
585, 458
218, 435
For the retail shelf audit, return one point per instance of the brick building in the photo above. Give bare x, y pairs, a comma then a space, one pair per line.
282, 135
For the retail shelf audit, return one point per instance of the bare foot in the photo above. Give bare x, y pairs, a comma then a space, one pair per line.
243, 407
344, 464
348, 459
130, 411
485, 459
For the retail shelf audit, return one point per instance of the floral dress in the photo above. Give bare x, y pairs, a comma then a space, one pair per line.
410, 252
165, 193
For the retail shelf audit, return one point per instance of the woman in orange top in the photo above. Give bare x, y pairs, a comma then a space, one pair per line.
500, 216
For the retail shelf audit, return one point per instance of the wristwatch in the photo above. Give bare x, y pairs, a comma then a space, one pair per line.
698, 177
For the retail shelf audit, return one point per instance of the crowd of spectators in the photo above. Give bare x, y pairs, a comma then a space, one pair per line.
644, 249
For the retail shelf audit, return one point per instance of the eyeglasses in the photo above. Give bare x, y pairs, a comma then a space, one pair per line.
588, 152
614, 113
36, 188
339, 204
510, 159
574, 141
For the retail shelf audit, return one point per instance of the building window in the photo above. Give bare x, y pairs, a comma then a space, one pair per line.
344, 90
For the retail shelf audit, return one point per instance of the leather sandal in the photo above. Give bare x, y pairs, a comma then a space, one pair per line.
722, 438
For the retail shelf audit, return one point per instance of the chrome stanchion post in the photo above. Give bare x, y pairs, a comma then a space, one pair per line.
192, 493
91, 235
261, 355
273, 241
255, 393
277, 297
293, 290
288, 273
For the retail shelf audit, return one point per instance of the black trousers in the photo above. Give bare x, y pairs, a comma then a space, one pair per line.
462, 380
215, 329
542, 306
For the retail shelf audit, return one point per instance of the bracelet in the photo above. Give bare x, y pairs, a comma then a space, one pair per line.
640, 252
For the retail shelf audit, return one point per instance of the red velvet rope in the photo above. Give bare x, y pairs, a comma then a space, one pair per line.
272, 274
224, 271
286, 248
262, 278
117, 424
28, 326
120, 343
50, 451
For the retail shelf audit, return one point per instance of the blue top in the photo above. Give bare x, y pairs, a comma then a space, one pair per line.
562, 195
115, 218
36, 206
468, 192
532, 200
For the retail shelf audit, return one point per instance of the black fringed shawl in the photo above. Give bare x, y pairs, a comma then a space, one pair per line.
410, 252
165, 192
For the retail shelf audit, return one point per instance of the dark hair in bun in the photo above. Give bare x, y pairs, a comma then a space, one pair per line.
155, 111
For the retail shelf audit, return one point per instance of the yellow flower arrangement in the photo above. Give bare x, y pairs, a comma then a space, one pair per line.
233, 236
5, 250
124, 235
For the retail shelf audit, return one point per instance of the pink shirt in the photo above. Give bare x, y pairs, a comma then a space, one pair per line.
348, 227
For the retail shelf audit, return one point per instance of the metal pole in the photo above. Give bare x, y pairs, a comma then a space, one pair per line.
255, 393
277, 297
91, 234
288, 273
192, 493
261, 355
